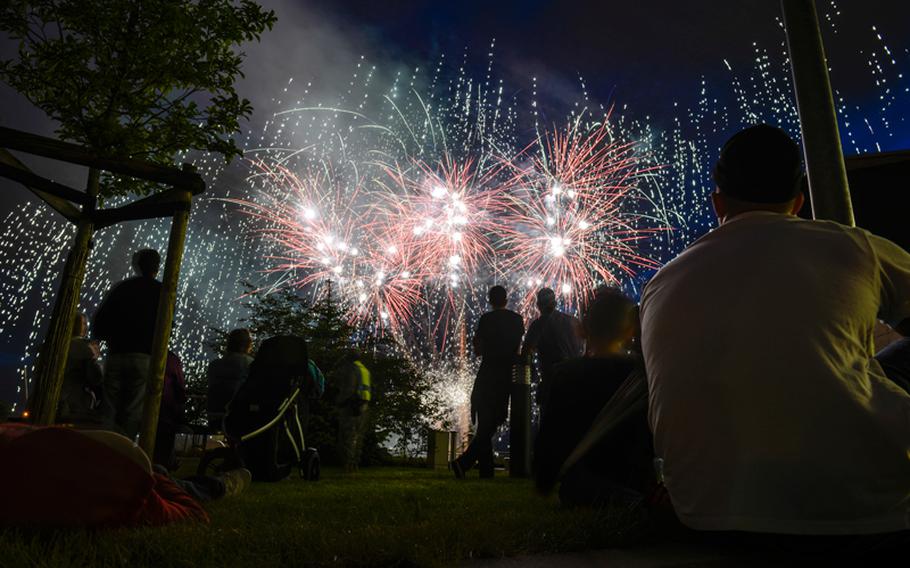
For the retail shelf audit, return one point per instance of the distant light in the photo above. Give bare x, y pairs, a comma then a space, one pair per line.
309, 214
362, 297
583, 225
454, 260
556, 189
406, 274
438, 192
566, 289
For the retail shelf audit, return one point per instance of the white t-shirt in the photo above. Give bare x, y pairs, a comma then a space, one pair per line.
766, 406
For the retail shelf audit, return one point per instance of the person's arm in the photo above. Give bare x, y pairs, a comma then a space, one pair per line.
101, 324
894, 273
531, 341
104, 323
477, 340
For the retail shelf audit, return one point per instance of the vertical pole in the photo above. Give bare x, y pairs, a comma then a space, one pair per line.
163, 322
520, 423
828, 189
55, 349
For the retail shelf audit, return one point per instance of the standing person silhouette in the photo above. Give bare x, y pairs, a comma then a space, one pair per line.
496, 342
126, 322
555, 336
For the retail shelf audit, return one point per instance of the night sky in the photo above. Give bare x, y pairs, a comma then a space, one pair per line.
650, 58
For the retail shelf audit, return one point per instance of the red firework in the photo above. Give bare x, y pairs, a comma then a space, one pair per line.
567, 224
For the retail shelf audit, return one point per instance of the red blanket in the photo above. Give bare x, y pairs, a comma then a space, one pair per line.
57, 477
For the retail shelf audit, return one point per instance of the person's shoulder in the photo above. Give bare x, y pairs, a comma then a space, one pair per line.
514, 316
80, 348
566, 318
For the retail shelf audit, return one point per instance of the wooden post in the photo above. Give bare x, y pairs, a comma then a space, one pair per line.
163, 322
55, 349
828, 189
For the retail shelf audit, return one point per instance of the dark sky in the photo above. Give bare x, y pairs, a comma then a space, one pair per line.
643, 53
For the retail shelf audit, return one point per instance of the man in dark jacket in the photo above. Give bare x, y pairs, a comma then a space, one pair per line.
126, 321
555, 336
496, 342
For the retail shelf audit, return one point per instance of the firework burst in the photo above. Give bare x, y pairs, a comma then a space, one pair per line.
568, 223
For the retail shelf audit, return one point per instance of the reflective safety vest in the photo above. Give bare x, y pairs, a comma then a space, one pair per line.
364, 385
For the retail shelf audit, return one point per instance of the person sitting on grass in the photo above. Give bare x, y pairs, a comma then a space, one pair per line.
171, 413
80, 396
63, 477
619, 467
767, 409
226, 374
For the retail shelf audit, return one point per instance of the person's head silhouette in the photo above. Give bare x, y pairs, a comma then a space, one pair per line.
546, 300
240, 341
759, 169
146, 262
498, 297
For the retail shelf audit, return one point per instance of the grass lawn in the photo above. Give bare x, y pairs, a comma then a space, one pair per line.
380, 516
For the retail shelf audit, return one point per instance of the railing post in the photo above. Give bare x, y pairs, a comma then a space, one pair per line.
166, 305
828, 188
520, 423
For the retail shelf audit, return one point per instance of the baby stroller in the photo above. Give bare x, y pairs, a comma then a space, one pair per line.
263, 422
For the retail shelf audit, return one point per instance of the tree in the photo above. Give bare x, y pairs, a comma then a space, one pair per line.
127, 79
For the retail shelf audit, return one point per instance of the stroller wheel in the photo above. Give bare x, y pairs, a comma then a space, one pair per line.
218, 461
309, 465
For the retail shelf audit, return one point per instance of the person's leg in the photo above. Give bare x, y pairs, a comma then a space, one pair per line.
486, 429
201, 487
468, 458
480, 450
164, 445
360, 433
346, 433
111, 392
133, 383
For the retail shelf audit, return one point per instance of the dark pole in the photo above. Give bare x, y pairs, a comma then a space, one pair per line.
520, 423
828, 189
166, 304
